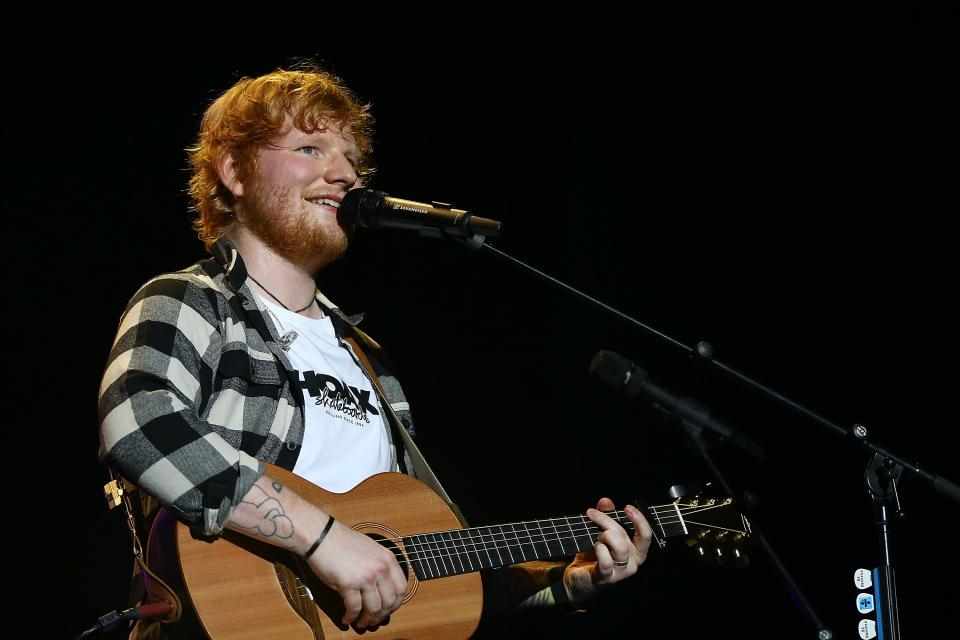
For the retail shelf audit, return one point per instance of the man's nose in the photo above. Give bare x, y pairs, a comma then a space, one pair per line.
340, 171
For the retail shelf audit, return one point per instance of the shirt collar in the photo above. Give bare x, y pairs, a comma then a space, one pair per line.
228, 257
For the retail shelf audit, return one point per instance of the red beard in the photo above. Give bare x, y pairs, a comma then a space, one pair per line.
306, 238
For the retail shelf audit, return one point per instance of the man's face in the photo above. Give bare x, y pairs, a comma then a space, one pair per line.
293, 198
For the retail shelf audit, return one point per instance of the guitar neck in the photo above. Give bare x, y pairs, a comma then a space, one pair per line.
445, 553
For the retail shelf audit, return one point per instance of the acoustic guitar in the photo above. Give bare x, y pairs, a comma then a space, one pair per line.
243, 589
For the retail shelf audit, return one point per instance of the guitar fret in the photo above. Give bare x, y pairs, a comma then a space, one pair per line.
491, 544
427, 557
440, 553
465, 551
443, 549
572, 536
656, 517
526, 539
585, 536
485, 547
523, 539
419, 560
420, 553
506, 545
476, 545
461, 553
436, 556
463, 545
452, 551
472, 538
557, 549
430, 557
544, 539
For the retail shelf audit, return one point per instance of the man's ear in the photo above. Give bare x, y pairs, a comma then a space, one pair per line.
227, 170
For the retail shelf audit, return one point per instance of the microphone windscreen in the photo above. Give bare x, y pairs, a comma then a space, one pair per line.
359, 206
618, 372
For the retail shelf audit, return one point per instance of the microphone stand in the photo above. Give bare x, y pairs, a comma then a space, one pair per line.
881, 484
881, 479
698, 444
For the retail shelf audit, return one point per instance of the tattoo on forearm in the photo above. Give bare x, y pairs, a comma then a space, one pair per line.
277, 486
269, 519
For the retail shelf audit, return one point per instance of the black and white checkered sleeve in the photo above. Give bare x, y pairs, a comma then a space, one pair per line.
159, 376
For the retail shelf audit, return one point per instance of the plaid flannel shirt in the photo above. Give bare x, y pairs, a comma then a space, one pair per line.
197, 390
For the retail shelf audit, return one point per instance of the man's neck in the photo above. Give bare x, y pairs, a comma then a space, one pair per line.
291, 284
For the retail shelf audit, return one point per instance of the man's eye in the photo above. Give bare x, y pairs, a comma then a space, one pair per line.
310, 151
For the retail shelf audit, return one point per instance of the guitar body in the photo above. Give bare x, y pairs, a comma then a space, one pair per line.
243, 589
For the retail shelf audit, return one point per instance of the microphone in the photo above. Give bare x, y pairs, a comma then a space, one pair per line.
371, 209
620, 373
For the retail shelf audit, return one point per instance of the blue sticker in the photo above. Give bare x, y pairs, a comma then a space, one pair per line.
865, 602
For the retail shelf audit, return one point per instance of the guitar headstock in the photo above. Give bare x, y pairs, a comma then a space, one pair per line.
713, 526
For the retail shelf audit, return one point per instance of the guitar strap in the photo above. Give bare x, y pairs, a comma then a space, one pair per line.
421, 469
146, 586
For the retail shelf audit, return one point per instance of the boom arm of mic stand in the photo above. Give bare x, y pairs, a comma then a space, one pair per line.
704, 351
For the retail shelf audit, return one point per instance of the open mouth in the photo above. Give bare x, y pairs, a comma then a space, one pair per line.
329, 204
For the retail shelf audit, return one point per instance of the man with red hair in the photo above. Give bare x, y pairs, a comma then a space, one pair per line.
240, 360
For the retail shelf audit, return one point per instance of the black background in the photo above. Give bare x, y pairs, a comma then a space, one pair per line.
780, 185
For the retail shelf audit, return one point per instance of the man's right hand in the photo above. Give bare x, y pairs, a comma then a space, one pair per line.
365, 574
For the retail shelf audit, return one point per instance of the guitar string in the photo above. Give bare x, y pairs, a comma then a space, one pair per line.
617, 514
583, 521
515, 542
425, 553
713, 526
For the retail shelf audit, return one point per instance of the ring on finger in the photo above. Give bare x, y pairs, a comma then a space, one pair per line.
621, 563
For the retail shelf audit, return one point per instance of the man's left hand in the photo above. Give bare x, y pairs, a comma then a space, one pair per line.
614, 557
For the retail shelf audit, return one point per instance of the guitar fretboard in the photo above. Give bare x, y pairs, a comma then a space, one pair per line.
446, 553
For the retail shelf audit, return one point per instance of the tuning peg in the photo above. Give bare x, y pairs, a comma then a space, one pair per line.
706, 557
677, 491
733, 559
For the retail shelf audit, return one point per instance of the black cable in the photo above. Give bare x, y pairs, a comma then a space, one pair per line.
107, 622
110, 620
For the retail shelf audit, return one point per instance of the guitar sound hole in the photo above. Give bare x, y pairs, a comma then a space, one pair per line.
397, 551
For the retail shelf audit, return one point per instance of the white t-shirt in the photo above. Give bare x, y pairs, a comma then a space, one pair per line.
344, 441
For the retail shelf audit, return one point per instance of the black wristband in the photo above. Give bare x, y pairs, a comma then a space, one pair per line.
316, 543
560, 598
560, 595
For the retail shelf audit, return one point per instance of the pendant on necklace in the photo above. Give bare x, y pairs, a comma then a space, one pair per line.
287, 339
